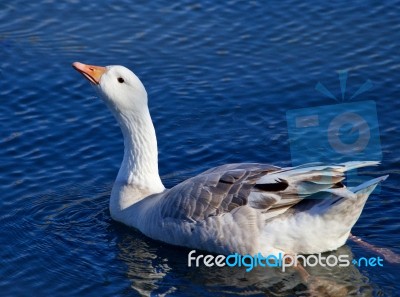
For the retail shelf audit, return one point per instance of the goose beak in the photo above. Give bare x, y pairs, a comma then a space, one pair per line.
92, 73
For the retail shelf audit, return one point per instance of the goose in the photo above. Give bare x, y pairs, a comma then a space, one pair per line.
244, 208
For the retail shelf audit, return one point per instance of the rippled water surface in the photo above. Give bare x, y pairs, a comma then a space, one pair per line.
221, 79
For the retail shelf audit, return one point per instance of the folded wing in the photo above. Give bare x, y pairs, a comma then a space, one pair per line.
269, 189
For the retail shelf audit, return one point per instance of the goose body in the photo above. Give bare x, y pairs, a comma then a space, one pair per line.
247, 208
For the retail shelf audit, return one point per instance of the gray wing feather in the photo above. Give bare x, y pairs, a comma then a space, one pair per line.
268, 189
215, 191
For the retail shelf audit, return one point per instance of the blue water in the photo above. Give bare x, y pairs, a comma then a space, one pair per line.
221, 79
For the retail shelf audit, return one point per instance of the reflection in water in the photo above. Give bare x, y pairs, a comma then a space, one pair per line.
157, 268
145, 268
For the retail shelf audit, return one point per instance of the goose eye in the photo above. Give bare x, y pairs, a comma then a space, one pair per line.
120, 80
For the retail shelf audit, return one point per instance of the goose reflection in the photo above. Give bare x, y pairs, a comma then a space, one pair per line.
156, 268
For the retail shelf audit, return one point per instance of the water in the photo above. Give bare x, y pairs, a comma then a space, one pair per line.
220, 78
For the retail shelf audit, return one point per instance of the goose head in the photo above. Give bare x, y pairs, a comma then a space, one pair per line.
119, 87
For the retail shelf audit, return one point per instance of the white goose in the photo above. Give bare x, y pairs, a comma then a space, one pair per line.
245, 208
